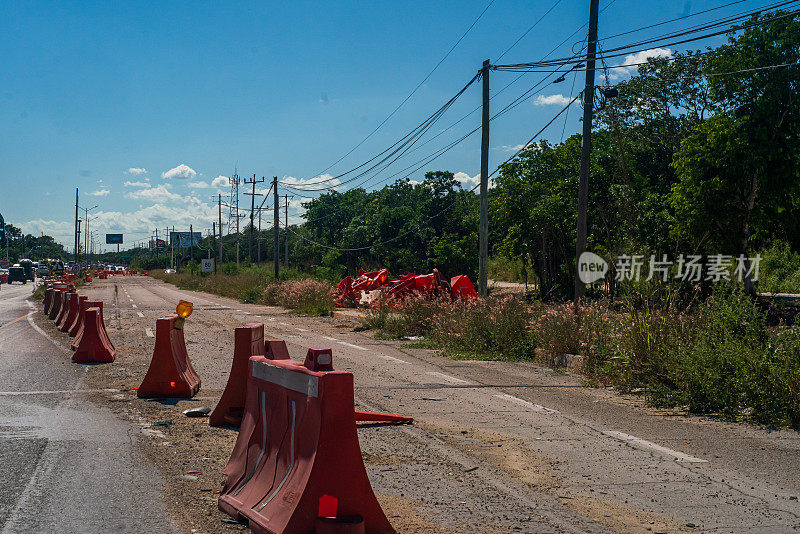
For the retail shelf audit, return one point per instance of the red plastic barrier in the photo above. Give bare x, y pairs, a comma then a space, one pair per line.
55, 308
72, 311
86, 305
94, 345
462, 287
296, 467
65, 303
248, 341
48, 299
381, 417
170, 373
78, 319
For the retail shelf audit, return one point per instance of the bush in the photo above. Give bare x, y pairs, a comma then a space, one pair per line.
308, 296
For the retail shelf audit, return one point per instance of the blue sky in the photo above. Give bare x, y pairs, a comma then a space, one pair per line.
142, 105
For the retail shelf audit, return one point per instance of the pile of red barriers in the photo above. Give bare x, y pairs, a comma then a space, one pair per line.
350, 291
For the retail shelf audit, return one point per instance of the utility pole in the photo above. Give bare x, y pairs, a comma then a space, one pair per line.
76, 225
286, 229
586, 147
210, 242
483, 227
219, 200
277, 222
172, 249
252, 211
191, 243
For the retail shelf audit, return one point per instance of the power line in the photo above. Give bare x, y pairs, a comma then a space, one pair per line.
406, 99
445, 209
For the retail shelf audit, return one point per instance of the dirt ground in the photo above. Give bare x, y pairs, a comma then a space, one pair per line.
483, 454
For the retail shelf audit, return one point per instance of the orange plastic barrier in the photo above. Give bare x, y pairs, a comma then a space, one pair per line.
85, 306
170, 373
48, 299
65, 304
381, 417
55, 307
462, 287
94, 345
72, 311
78, 319
248, 341
296, 467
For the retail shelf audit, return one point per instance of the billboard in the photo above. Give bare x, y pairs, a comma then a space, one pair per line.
181, 239
113, 239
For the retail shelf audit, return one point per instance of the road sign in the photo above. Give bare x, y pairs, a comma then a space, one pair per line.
113, 239
207, 266
181, 239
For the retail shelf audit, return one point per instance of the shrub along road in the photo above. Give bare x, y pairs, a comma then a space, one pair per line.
497, 446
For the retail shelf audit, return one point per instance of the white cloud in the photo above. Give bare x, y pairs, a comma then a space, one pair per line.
514, 148
137, 170
100, 193
324, 180
468, 182
221, 181
136, 184
181, 172
550, 100
198, 185
632, 62
157, 193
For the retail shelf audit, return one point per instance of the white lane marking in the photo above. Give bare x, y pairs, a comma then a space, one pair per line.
270, 319
649, 445
140, 314
302, 329
392, 358
56, 392
329, 338
134, 305
448, 378
149, 332
246, 313
36, 327
346, 344
130, 299
531, 406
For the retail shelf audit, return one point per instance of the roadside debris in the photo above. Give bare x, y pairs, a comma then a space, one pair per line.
351, 292
200, 411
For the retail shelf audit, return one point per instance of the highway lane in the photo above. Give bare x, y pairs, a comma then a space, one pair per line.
584, 453
66, 465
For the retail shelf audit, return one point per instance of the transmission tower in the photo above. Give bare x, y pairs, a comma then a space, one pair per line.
233, 204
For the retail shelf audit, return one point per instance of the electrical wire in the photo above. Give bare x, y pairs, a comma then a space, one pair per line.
445, 209
406, 99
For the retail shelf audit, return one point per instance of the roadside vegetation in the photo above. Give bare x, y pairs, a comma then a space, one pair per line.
717, 356
255, 284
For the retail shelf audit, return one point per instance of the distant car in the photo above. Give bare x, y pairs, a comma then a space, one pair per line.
16, 274
27, 266
44, 271
169, 271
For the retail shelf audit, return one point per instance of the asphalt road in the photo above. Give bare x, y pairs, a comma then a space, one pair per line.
66, 465
505, 444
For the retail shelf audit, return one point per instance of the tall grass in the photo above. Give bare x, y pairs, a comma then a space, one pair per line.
718, 357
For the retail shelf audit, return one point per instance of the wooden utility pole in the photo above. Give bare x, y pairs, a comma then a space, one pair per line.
191, 243
483, 239
286, 229
76, 225
277, 222
219, 201
252, 211
586, 147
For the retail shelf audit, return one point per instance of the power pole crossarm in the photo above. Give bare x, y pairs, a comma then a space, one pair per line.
586, 147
